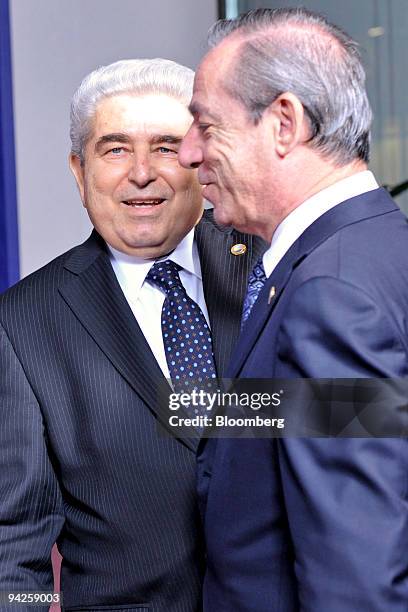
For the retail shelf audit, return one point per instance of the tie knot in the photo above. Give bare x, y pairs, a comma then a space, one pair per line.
165, 274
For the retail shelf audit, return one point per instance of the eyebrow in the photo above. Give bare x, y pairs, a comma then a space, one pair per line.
125, 139
169, 138
118, 137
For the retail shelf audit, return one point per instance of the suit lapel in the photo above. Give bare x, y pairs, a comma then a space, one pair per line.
370, 204
224, 281
263, 308
94, 295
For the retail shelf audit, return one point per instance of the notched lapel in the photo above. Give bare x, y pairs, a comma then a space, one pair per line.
264, 307
225, 281
354, 210
94, 295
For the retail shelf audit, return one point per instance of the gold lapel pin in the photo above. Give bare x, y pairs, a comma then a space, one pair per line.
272, 293
238, 249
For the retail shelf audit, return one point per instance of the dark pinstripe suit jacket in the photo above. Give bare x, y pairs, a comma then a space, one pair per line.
81, 458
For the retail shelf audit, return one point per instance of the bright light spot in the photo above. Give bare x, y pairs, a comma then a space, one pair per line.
376, 32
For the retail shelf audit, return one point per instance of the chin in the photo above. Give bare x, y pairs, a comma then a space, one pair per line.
152, 250
221, 217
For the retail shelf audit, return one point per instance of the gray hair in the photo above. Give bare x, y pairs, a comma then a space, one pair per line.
299, 51
134, 76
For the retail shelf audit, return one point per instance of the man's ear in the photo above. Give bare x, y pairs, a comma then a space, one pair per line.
289, 123
77, 170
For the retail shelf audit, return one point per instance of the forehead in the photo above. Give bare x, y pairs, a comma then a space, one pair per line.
147, 114
211, 75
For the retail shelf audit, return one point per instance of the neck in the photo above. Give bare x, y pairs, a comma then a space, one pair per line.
328, 175
313, 179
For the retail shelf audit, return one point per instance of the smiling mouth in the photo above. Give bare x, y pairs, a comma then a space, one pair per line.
143, 203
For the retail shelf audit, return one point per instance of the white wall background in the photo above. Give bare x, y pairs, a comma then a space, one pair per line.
55, 43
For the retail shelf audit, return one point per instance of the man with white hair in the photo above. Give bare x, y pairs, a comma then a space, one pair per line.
86, 342
281, 141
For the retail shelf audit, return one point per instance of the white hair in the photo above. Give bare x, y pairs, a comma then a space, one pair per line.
134, 76
299, 51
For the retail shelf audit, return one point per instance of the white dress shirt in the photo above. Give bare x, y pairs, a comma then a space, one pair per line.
146, 300
289, 230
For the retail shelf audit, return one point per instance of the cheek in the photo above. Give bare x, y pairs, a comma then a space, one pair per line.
182, 181
194, 193
226, 167
104, 181
221, 151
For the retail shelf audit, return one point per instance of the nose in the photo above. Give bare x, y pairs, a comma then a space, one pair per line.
190, 153
142, 171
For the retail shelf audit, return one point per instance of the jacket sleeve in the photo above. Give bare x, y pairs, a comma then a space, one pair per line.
346, 499
30, 501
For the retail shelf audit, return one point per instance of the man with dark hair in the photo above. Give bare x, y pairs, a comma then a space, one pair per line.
281, 140
86, 342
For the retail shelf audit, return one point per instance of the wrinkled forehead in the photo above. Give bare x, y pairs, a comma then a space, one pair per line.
148, 113
213, 75
218, 64
226, 52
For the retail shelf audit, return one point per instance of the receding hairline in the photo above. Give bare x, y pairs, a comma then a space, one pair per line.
284, 34
281, 31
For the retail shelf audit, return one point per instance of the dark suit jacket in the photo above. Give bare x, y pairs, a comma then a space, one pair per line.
82, 460
318, 525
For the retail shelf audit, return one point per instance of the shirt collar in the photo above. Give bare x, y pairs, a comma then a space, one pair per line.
131, 271
289, 230
186, 255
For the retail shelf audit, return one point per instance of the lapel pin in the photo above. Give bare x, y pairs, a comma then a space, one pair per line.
238, 249
272, 293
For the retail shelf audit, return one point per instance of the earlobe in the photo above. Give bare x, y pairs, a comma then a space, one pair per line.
289, 123
77, 170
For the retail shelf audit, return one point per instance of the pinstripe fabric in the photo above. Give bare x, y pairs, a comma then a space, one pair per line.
229, 277
81, 457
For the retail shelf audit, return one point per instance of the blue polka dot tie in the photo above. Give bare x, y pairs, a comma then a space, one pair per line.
186, 336
256, 281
